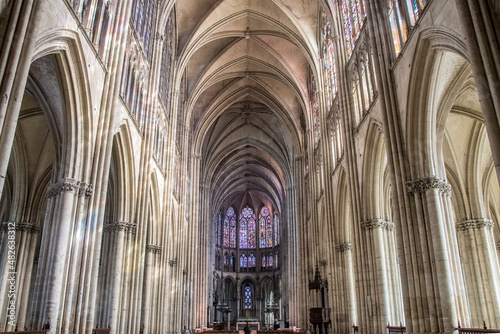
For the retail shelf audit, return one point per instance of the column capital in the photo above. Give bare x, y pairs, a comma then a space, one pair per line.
346, 246
120, 226
377, 223
474, 224
426, 183
86, 190
64, 185
155, 249
29, 227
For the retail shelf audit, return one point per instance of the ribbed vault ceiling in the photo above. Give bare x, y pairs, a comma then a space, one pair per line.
246, 65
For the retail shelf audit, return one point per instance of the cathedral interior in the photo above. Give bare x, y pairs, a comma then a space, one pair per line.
195, 166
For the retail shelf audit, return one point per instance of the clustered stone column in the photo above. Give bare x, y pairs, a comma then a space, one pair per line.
25, 236
384, 289
345, 296
151, 288
479, 260
440, 276
63, 207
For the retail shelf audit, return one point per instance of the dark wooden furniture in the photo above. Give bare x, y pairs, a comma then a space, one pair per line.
396, 329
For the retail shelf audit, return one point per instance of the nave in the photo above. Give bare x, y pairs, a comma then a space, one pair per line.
172, 166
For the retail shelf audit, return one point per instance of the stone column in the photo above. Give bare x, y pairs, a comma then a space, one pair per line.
115, 284
149, 286
56, 244
346, 300
484, 55
434, 240
18, 249
480, 263
386, 303
28, 237
16, 51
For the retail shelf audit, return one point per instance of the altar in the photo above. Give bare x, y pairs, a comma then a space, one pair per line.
254, 325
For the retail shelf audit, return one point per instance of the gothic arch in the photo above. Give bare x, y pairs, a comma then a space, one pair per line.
374, 169
432, 45
74, 131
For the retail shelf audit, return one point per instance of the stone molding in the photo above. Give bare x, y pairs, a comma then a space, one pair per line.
23, 226
155, 249
498, 246
346, 246
426, 183
86, 190
70, 185
172, 263
474, 224
377, 223
120, 226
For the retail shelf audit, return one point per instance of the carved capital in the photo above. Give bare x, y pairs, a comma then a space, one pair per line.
475, 224
346, 246
172, 263
155, 249
498, 246
23, 226
65, 185
120, 226
28, 227
377, 223
86, 190
422, 185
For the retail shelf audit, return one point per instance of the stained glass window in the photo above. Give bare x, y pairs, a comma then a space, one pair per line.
269, 231
142, 19
247, 228
243, 232
330, 71
230, 228
166, 61
400, 23
263, 261
354, 12
248, 297
218, 229
270, 261
276, 229
243, 261
265, 229
264, 213
251, 261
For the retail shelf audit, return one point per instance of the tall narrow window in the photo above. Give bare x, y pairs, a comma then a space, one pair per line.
247, 228
251, 261
243, 261
398, 25
354, 12
265, 229
276, 229
330, 71
269, 232
248, 297
166, 61
264, 213
230, 228
270, 261
403, 15
218, 229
